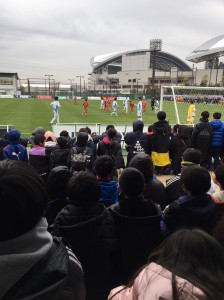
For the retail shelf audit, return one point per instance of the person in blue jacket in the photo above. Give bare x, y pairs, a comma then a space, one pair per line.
14, 150
217, 140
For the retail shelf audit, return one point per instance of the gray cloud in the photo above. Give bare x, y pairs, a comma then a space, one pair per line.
60, 37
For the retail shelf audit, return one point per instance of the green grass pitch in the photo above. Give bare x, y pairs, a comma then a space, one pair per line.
27, 114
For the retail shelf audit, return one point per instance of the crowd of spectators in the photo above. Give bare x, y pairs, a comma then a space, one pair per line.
77, 223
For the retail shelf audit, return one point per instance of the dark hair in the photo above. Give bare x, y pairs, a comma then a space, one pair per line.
104, 165
88, 130
57, 182
205, 114
23, 198
132, 182
64, 133
175, 127
144, 164
84, 189
62, 142
217, 115
109, 126
111, 133
184, 252
194, 255
82, 139
38, 139
192, 155
161, 115
219, 175
183, 131
56, 98
196, 180
83, 130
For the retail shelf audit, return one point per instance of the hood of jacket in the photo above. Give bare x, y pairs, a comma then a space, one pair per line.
49, 134
216, 124
161, 126
13, 136
138, 125
109, 192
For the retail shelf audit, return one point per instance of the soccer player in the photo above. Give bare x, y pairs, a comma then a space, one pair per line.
55, 104
102, 104
125, 104
144, 105
191, 112
139, 108
156, 106
114, 106
132, 105
85, 107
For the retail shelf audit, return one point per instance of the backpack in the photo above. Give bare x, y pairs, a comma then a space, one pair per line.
79, 161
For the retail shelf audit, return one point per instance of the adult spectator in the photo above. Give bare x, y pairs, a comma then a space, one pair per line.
161, 144
217, 141
15, 151
154, 189
38, 130
171, 270
202, 136
88, 227
196, 208
137, 223
90, 143
35, 265
135, 141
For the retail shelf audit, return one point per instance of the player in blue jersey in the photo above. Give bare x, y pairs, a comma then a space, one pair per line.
139, 108
114, 106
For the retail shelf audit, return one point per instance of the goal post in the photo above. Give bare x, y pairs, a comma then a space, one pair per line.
174, 100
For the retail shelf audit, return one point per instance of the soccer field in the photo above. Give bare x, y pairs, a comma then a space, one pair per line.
27, 114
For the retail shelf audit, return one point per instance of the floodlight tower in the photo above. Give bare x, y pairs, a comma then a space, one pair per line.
154, 47
49, 78
80, 78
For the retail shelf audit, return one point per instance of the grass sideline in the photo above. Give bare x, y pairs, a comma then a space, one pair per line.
27, 114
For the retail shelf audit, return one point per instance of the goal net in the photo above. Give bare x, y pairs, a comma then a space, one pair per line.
174, 100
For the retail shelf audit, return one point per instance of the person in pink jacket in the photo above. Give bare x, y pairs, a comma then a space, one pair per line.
189, 265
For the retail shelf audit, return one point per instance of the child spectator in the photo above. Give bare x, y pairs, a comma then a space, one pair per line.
218, 197
70, 141
188, 265
137, 223
178, 145
37, 156
35, 265
154, 189
104, 166
59, 154
196, 208
88, 227
14, 151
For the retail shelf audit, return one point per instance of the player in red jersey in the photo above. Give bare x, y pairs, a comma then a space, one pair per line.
85, 106
132, 105
144, 104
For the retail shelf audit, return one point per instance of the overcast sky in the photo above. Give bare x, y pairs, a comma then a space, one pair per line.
59, 37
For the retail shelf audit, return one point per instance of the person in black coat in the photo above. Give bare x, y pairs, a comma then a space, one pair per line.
137, 222
59, 154
202, 137
87, 226
178, 144
33, 264
196, 208
136, 141
154, 189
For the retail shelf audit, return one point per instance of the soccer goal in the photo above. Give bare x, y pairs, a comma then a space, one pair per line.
174, 100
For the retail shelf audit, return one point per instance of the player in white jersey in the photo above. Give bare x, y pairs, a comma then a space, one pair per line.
139, 108
125, 104
55, 104
114, 106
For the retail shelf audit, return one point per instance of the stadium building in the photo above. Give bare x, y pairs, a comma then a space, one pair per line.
132, 71
8, 84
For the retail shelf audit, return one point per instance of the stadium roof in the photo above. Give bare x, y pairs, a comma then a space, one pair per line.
209, 50
164, 60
